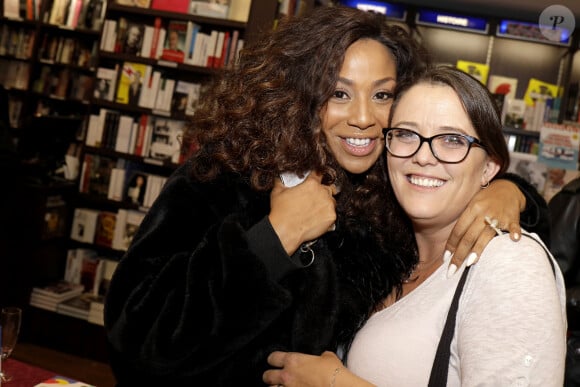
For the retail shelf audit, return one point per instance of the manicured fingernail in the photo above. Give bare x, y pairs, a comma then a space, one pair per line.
516, 236
451, 270
446, 255
471, 259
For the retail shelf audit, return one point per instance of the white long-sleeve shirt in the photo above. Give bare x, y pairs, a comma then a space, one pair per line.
510, 328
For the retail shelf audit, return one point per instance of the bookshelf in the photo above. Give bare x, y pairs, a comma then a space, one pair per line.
145, 93
47, 62
521, 140
51, 56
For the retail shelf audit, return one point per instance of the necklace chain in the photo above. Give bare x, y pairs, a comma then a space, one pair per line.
418, 271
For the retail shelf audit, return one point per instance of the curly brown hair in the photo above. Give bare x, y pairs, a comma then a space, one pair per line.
262, 117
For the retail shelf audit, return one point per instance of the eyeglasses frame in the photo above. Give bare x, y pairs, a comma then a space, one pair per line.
470, 139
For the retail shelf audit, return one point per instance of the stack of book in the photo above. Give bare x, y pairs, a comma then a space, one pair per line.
96, 312
78, 306
49, 296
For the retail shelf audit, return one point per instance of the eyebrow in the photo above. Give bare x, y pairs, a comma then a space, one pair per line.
443, 129
375, 83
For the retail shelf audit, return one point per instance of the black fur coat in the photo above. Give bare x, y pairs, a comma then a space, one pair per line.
206, 291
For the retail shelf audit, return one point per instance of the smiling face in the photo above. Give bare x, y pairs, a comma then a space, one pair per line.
433, 193
353, 118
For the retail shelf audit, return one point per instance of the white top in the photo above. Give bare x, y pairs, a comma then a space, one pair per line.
510, 328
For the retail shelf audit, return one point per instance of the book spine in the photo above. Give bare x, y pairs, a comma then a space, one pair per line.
155, 39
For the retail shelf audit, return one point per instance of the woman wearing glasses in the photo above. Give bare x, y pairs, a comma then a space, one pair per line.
445, 144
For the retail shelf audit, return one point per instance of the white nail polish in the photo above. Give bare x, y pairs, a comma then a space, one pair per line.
451, 270
447, 255
471, 259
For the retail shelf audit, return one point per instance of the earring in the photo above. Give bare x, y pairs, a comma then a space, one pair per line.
485, 185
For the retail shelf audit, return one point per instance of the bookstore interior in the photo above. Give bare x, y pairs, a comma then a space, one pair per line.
96, 95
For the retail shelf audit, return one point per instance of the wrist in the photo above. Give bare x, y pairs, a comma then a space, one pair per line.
289, 240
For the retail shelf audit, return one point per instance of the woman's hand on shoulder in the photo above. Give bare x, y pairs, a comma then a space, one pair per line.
493, 209
302, 213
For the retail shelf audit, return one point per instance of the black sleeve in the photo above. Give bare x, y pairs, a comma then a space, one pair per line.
265, 244
536, 215
565, 221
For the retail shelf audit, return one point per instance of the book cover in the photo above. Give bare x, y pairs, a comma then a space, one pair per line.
128, 222
59, 12
477, 70
105, 228
134, 3
123, 139
108, 36
96, 315
95, 14
166, 139
77, 306
59, 380
185, 97
164, 95
96, 174
540, 89
50, 306
156, 41
503, 85
133, 38
174, 45
559, 145
513, 113
211, 8
55, 218
178, 6
116, 185
11, 9
527, 166
74, 263
155, 184
239, 10
136, 187
109, 267
84, 225
59, 291
144, 123
130, 83
150, 88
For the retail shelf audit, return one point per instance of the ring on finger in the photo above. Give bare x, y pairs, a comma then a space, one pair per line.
493, 223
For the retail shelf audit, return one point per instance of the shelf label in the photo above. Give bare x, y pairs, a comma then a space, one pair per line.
392, 11
532, 32
452, 21
166, 63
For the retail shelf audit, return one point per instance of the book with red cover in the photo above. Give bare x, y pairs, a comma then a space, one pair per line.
174, 47
179, 6
105, 228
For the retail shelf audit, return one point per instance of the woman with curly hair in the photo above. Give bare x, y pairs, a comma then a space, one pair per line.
229, 264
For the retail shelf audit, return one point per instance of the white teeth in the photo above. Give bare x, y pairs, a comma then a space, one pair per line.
358, 141
425, 182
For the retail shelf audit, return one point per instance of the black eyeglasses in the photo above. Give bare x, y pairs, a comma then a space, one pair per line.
448, 148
